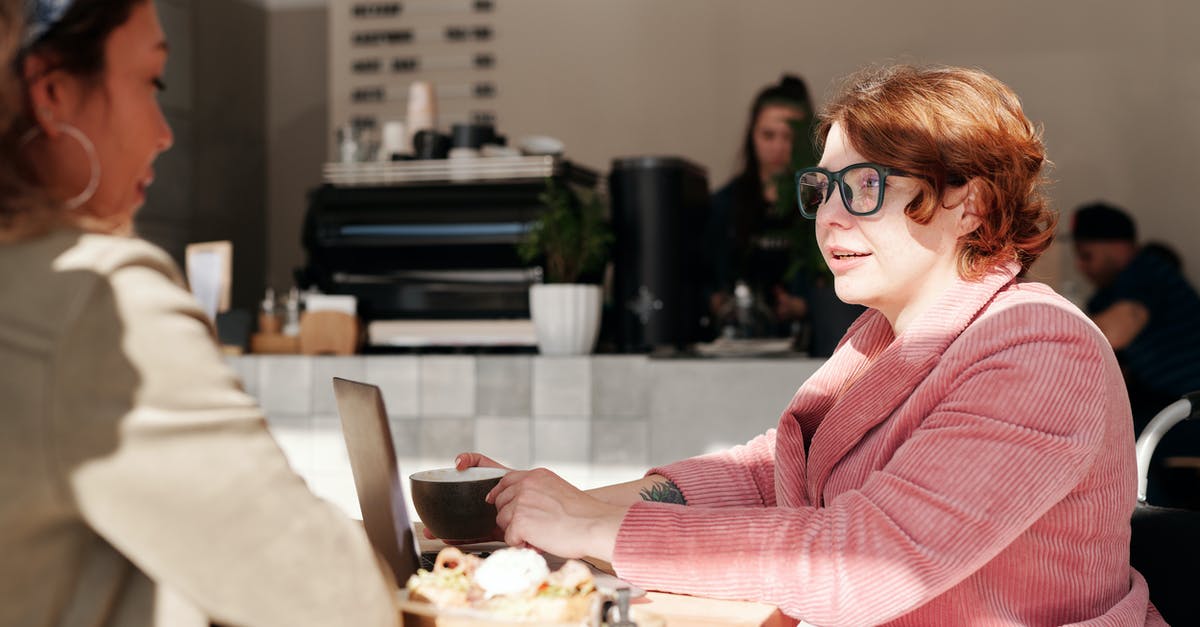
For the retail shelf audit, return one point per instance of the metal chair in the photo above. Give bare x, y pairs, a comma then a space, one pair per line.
1165, 545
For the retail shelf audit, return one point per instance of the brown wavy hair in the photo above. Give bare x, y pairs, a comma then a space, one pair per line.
947, 126
20, 203
10, 33
74, 44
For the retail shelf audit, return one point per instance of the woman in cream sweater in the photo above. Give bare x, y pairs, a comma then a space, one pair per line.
138, 483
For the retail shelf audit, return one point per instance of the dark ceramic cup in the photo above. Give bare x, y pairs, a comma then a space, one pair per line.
450, 502
430, 144
474, 135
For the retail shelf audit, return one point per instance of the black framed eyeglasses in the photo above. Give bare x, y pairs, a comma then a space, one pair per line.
862, 186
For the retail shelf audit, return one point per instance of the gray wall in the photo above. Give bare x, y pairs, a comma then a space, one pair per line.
211, 184
167, 216
296, 115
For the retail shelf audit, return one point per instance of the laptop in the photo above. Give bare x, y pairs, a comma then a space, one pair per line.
377, 476
380, 489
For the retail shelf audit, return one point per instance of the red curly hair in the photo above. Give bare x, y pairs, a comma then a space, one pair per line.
947, 126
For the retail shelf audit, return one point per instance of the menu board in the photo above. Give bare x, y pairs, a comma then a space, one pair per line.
378, 48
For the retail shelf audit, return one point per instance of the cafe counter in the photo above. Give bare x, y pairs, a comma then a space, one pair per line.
595, 419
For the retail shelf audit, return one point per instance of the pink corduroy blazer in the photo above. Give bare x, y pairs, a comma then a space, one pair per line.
976, 470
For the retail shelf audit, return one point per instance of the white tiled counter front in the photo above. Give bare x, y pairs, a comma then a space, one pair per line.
595, 420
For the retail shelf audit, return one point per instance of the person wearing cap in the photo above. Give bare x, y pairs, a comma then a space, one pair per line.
1148, 312
1143, 304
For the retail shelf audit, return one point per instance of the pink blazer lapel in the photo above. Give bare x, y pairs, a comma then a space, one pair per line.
887, 380
814, 400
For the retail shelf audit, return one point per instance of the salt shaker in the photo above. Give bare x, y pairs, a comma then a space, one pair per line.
268, 316
347, 144
292, 312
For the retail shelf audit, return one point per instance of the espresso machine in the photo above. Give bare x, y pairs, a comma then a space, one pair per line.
431, 239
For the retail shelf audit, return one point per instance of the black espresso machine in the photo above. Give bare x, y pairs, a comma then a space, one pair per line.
432, 239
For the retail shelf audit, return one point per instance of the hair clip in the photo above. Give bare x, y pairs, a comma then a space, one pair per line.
41, 16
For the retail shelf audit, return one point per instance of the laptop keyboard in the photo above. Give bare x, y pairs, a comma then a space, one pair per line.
429, 558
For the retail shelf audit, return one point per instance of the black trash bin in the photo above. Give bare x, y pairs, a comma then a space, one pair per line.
659, 210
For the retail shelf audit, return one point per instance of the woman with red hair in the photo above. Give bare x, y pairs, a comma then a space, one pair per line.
966, 455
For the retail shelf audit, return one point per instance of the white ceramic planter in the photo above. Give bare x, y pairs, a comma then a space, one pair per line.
566, 317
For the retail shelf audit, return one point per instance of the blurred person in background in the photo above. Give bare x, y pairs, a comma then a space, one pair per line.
1151, 315
751, 235
1143, 304
138, 482
746, 230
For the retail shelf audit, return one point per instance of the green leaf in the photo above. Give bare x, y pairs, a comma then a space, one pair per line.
571, 237
804, 254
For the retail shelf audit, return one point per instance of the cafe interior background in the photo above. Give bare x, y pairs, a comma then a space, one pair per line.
259, 88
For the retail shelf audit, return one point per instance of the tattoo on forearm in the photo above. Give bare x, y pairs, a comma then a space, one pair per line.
664, 492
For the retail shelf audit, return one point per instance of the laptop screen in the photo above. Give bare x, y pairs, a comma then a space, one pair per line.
377, 475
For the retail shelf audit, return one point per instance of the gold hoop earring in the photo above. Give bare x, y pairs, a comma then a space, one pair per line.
93, 160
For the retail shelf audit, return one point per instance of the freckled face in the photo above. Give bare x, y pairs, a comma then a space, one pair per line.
885, 261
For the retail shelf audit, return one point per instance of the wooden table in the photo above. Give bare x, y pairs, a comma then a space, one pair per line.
677, 610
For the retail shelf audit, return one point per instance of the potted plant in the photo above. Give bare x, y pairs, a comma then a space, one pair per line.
570, 240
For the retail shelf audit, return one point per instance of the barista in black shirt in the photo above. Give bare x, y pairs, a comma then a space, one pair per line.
747, 232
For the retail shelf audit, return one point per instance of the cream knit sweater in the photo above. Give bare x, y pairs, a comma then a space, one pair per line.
138, 483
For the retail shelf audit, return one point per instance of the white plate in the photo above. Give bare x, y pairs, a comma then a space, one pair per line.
540, 145
764, 347
607, 584
421, 614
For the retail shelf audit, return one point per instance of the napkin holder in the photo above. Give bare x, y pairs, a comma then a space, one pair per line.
328, 333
